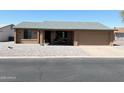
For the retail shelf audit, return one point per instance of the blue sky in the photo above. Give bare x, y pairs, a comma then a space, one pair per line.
108, 17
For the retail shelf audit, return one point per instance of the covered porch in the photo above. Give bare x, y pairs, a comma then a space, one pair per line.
44, 37
58, 37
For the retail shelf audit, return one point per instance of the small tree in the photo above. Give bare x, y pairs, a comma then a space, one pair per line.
122, 15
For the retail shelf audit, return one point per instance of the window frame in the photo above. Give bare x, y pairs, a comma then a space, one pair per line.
28, 34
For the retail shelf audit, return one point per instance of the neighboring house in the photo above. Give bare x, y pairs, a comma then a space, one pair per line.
64, 33
6, 32
119, 35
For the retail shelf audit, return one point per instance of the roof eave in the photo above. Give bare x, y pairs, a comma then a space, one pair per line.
63, 29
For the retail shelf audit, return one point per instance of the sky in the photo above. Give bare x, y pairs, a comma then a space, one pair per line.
110, 18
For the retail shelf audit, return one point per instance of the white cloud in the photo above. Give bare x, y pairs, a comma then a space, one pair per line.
2, 25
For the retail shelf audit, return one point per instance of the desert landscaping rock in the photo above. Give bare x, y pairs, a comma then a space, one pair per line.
10, 49
38, 50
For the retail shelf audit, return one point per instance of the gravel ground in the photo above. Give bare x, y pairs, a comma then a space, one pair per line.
38, 50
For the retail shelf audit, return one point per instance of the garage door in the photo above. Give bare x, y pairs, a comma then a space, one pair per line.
94, 37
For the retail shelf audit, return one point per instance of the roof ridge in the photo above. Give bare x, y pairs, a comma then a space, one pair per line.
31, 22
74, 21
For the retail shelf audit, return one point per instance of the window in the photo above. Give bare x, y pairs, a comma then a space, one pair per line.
30, 34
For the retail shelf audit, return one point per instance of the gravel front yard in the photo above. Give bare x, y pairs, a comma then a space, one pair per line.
38, 50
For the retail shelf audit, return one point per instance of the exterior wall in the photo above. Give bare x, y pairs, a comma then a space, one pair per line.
93, 37
19, 37
119, 30
80, 37
6, 32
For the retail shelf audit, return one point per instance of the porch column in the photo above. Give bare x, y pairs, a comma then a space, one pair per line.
38, 37
53, 34
76, 38
41, 37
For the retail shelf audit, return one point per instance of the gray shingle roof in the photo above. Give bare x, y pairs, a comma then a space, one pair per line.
63, 25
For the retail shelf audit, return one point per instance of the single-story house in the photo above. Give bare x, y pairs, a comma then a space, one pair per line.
6, 33
63, 33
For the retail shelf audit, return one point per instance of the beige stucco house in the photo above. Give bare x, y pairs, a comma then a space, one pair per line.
63, 33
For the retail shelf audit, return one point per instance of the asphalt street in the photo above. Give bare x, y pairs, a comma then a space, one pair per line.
62, 70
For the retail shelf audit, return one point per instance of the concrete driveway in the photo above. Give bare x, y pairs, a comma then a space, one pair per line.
9, 49
119, 42
104, 51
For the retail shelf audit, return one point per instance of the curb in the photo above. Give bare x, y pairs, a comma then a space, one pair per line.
44, 57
